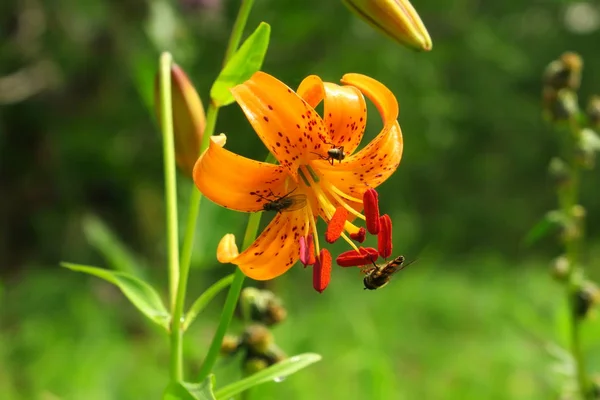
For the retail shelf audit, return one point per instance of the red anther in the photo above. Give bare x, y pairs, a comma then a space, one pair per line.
352, 258
384, 239
322, 271
371, 205
359, 236
312, 259
336, 225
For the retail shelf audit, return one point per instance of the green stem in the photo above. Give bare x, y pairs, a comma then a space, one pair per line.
231, 301
170, 197
569, 198
238, 29
179, 278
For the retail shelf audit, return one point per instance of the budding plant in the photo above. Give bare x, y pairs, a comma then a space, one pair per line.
579, 142
314, 171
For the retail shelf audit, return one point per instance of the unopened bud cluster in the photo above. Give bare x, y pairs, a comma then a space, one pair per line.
260, 310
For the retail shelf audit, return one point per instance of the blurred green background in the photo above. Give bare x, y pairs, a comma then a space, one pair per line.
477, 317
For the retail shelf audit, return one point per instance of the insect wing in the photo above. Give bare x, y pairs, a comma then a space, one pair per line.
294, 202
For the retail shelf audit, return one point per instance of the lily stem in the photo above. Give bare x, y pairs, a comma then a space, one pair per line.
179, 277
230, 302
170, 200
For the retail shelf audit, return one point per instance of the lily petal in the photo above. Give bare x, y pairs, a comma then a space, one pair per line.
288, 126
232, 181
345, 111
277, 248
380, 158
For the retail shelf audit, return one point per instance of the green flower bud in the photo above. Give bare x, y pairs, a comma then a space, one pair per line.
593, 111
188, 118
395, 18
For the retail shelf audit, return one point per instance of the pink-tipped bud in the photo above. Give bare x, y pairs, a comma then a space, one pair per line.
335, 227
353, 258
188, 118
322, 271
371, 205
384, 239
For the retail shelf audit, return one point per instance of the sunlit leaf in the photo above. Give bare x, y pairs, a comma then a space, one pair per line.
275, 372
191, 391
547, 225
244, 63
100, 236
142, 295
205, 298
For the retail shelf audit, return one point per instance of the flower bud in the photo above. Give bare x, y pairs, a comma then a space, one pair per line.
230, 344
559, 171
559, 105
395, 18
564, 73
593, 111
253, 365
188, 118
560, 268
257, 338
585, 298
261, 306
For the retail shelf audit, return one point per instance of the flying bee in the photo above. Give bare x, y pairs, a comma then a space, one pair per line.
377, 276
287, 202
334, 153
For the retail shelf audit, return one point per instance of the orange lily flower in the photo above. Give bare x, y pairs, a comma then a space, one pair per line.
289, 126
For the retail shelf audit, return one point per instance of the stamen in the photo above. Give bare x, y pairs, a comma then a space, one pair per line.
313, 174
350, 242
322, 271
336, 225
359, 236
303, 251
384, 239
313, 226
346, 206
342, 194
312, 259
353, 258
371, 204
307, 250
301, 174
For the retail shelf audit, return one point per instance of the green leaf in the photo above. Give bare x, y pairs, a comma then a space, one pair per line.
101, 237
205, 298
142, 295
244, 63
275, 372
551, 221
191, 391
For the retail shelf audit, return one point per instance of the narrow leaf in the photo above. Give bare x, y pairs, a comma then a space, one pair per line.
244, 63
205, 298
101, 237
544, 227
191, 391
275, 372
142, 295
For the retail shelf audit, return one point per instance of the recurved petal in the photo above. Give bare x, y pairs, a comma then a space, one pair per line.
276, 249
371, 166
344, 113
379, 159
237, 182
287, 125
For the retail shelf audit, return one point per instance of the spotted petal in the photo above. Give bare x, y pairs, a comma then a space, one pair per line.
344, 112
237, 182
277, 248
289, 127
379, 159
